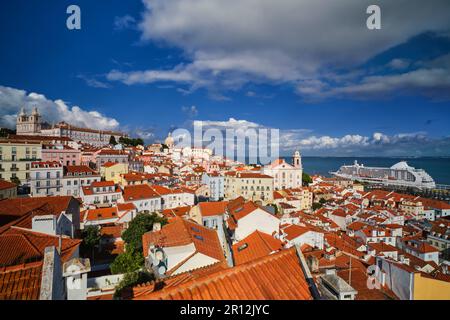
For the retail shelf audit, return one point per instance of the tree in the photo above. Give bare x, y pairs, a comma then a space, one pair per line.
132, 279
15, 180
129, 261
131, 142
306, 179
316, 206
133, 259
4, 132
112, 140
141, 224
91, 239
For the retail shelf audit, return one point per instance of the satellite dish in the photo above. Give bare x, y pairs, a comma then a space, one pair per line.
159, 255
162, 268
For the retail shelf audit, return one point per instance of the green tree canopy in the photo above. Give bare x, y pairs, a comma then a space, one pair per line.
131, 142
132, 279
129, 261
133, 259
112, 140
141, 224
91, 237
306, 179
316, 206
15, 180
4, 132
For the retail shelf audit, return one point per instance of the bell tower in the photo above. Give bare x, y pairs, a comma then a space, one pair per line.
28, 124
297, 159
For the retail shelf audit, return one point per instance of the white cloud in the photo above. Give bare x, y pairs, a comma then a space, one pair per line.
124, 22
129, 78
399, 63
93, 82
229, 124
417, 143
191, 111
430, 78
12, 100
230, 43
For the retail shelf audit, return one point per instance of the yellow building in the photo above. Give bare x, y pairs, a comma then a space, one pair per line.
251, 186
414, 208
16, 157
111, 171
429, 288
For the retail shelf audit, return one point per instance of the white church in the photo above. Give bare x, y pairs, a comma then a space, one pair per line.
285, 175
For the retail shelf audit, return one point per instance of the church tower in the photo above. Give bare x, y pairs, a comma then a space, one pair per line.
297, 159
28, 124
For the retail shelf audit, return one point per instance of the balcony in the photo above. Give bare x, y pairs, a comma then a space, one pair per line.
21, 159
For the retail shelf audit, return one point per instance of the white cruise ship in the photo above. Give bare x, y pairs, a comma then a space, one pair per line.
400, 174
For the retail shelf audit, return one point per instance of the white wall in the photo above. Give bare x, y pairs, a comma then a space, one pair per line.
199, 260
257, 220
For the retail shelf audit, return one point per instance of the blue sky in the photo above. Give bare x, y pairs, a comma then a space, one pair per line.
308, 68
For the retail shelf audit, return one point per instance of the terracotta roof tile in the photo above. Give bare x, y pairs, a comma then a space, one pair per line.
21, 282
138, 192
275, 277
213, 208
254, 246
20, 246
182, 232
7, 185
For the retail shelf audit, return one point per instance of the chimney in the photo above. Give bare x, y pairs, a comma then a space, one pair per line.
75, 272
52, 287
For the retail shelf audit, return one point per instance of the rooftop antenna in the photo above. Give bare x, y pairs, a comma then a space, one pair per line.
350, 272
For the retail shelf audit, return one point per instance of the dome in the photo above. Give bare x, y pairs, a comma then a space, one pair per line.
169, 141
402, 165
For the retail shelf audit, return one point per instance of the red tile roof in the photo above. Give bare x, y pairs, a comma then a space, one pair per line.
208, 209
275, 277
18, 245
294, 231
254, 246
125, 206
138, 192
18, 208
181, 232
176, 212
7, 185
99, 184
46, 164
243, 210
99, 214
21, 282
85, 170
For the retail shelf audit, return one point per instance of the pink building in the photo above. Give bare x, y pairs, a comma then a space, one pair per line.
61, 153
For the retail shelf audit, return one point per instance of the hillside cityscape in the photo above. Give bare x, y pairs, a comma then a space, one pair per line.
126, 220
237, 158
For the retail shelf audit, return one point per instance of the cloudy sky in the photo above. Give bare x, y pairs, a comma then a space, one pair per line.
309, 68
